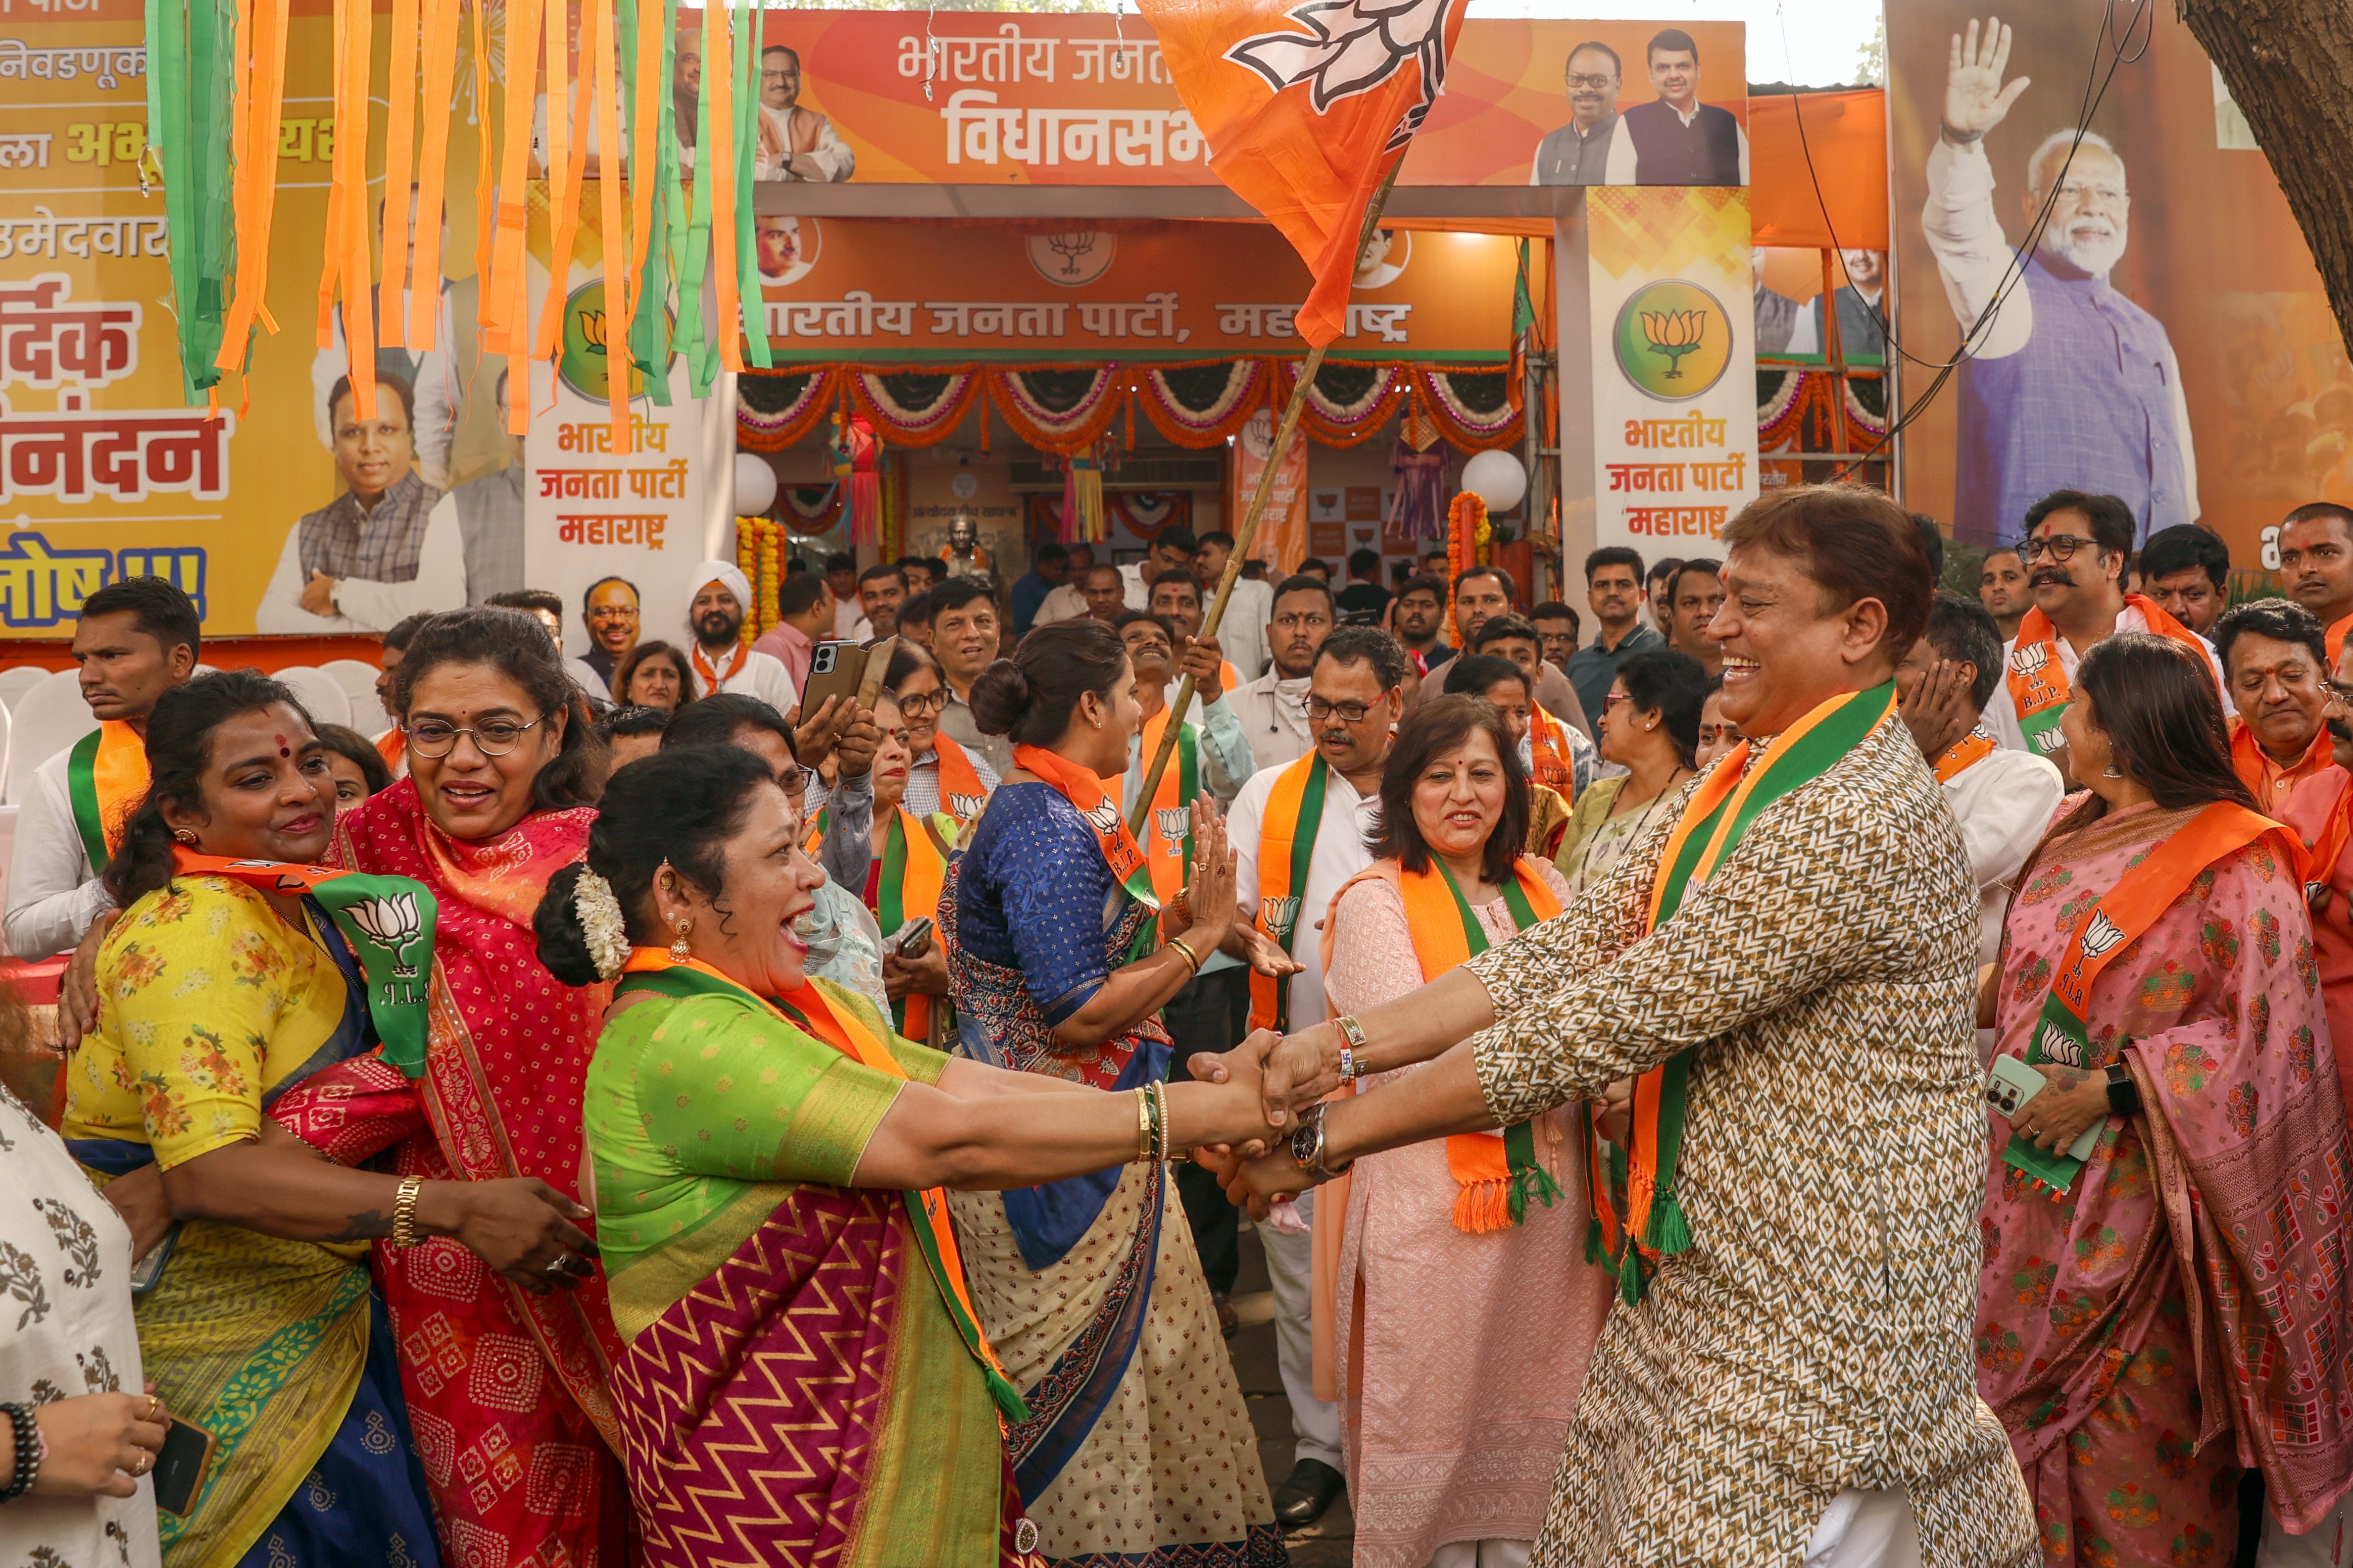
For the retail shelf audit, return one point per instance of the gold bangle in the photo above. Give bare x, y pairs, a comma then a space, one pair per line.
1144, 1124
403, 1212
1159, 1122
1185, 948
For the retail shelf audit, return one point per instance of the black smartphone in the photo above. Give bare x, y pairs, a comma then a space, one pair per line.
917, 941
180, 1467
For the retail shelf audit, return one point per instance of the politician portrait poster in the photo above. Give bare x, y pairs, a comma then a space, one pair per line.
2158, 331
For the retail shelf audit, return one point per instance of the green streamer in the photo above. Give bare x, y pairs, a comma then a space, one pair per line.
749, 304
694, 341
190, 82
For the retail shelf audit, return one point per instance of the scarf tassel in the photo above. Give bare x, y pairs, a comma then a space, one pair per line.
1668, 1231
1010, 1405
1596, 1251
1483, 1207
1633, 1276
1532, 1182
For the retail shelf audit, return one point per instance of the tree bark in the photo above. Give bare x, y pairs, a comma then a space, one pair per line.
2286, 63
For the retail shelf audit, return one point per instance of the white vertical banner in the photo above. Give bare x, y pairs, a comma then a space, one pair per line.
592, 511
1673, 363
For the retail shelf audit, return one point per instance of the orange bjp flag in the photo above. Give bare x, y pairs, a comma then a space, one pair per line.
1306, 106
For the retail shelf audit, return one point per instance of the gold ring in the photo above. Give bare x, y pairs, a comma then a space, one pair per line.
143, 1461
154, 1407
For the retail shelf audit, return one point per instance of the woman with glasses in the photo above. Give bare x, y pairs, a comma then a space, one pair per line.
942, 776
653, 675
513, 1418
237, 979
1137, 1448
1650, 725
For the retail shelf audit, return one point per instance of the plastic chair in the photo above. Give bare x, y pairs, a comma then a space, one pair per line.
47, 720
357, 678
320, 693
17, 681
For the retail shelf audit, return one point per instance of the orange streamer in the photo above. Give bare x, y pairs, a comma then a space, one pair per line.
503, 329
347, 262
399, 165
433, 166
608, 202
566, 161
486, 225
645, 121
716, 163
240, 144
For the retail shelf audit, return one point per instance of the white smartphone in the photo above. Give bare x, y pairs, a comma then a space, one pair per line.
2012, 1083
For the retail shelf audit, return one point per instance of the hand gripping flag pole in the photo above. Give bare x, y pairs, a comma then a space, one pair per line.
1310, 105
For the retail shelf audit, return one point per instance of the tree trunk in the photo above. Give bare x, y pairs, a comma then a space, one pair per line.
2286, 63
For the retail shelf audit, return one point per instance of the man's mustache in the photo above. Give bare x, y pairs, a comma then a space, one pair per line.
2052, 575
2339, 729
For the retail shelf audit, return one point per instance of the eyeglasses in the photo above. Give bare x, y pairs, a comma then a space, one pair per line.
1347, 713
432, 739
1615, 697
916, 703
614, 613
1595, 82
2059, 547
794, 780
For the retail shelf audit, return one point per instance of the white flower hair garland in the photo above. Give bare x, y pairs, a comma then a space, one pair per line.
600, 918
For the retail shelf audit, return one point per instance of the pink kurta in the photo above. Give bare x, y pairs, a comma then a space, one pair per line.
2162, 1323
1461, 1354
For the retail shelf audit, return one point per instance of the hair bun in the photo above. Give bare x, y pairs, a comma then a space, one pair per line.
563, 939
1000, 698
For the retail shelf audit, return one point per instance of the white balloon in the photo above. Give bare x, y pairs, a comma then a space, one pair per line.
1497, 479
755, 485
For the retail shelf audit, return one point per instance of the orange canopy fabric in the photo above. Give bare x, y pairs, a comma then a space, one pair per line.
1308, 107
1846, 132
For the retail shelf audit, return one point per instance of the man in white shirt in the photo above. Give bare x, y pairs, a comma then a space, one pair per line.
714, 617
1273, 708
1068, 602
381, 551
2067, 383
1248, 608
1171, 548
1224, 752
1355, 697
2002, 799
137, 639
2076, 547
849, 621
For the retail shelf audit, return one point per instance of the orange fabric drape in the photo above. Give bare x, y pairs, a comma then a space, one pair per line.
1846, 133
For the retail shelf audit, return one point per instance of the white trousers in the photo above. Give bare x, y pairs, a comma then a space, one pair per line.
1866, 1530
1289, 1264
2328, 1545
1495, 1551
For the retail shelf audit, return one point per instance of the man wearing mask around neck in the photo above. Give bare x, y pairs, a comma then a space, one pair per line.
2076, 548
2274, 655
1318, 810
2315, 546
1273, 708
1742, 958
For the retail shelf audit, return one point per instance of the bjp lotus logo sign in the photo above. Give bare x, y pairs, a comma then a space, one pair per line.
1672, 339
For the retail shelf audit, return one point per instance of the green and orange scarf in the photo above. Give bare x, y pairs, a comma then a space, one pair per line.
388, 921
1286, 848
808, 1010
1713, 820
105, 778
2038, 688
1084, 789
2109, 927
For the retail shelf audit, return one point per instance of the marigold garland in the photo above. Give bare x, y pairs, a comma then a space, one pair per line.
758, 550
1468, 537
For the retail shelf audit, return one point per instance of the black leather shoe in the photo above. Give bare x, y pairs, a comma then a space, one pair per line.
1303, 1500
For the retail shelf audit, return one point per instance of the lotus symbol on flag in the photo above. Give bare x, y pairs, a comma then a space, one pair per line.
965, 808
1673, 333
1175, 824
2100, 935
392, 924
1279, 914
2029, 656
1104, 818
1352, 46
591, 331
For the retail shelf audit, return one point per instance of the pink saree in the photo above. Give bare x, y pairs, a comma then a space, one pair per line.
2178, 1313
507, 1390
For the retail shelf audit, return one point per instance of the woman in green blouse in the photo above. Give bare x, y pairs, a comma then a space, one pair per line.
802, 1375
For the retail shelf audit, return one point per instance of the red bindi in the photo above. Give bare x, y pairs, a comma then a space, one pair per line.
283, 749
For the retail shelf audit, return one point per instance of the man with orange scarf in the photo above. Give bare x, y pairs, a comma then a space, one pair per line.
2319, 811
2276, 657
2075, 549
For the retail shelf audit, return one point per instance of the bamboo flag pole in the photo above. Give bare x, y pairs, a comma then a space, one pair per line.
1248, 533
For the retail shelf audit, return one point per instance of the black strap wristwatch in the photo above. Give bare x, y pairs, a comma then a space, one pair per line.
2124, 1095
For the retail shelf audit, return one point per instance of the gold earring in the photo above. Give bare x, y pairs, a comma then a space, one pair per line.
186, 835
679, 951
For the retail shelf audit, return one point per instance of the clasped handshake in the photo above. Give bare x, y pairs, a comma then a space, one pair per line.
1270, 1082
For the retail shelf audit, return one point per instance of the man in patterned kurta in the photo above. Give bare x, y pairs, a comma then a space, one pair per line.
1799, 1379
